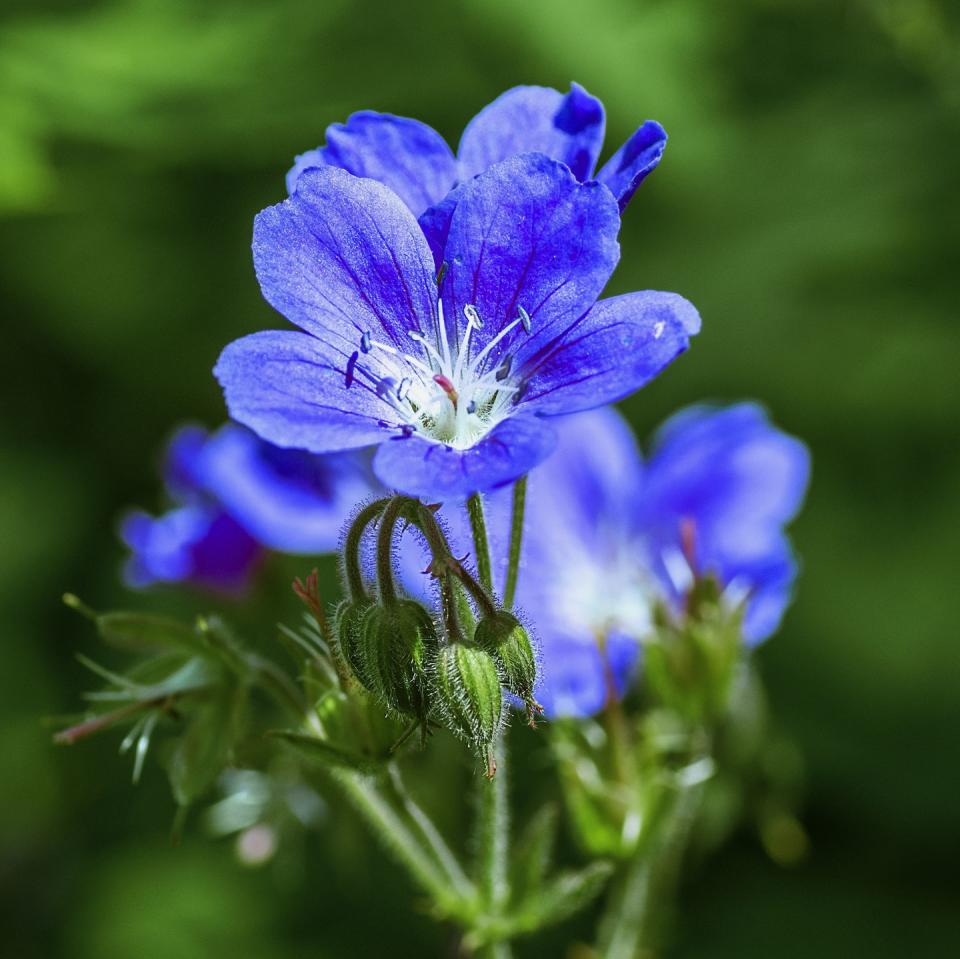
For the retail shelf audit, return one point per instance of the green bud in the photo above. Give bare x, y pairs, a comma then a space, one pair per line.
504, 637
398, 643
468, 696
348, 630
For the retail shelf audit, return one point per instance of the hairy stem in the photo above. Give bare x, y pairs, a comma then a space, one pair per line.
516, 541
481, 546
385, 584
353, 572
493, 828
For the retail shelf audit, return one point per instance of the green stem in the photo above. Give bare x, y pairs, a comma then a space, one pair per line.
385, 584
494, 950
516, 540
397, 836
630, 925
455, 875
353, 572
494, 838
481, 546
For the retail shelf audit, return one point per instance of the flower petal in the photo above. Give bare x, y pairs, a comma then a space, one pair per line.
198, 543
526, 234
420, 467
617, 348
634, 162
287, 499
288, 388
408, 156
344, 256
568, 128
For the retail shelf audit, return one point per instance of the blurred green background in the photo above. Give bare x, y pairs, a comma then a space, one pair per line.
808, 204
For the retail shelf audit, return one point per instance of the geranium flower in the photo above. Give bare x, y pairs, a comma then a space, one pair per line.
237, 496
417, 164
602, 541
450, 373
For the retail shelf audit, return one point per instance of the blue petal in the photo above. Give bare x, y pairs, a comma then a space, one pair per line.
568, 128
285, 387
618, 347
197, 544
287, 499
634, 162
408, 156
421, 467
344, 256
526, 234
180, 462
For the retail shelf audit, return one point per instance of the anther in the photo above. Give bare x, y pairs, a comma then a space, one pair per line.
407, 430
504, 370
404, 388
524, 319
471, 407
351, 366
473, 316
365, 342
441, 273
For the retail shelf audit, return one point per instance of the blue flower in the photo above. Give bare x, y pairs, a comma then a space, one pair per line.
450, 383
287, 499
198, 543
602, 542
415, 162
235, 495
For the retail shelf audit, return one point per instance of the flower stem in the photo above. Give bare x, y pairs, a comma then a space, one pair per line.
482, 548
399, 838
493, 827
631, 922
385, 584
516, 541
351, 548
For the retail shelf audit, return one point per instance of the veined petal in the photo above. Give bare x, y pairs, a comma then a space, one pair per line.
526, 234
567, 127
344, 256
618, 347
634, 162
421, 467
292, 390
408, 156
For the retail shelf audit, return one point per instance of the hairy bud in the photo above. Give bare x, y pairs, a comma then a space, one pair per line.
468, 696
398, 643
504, 637
348, 630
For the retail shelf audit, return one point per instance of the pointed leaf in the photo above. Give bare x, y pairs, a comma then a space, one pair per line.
319, 751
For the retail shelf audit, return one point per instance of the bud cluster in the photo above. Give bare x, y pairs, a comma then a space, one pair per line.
429, 668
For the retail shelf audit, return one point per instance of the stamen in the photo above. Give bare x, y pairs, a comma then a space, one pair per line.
441, 273
473, 316
408, 429
481, 356
386, 386
472, 407
504, 370
404, 388
412, 360
524, 319
424, 341
365, 342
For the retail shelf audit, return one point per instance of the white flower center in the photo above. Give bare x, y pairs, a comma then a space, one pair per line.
445, 393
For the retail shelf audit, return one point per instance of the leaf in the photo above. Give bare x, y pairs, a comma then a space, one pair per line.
206, 746
144, 632
532, 855
564, 895
321, 752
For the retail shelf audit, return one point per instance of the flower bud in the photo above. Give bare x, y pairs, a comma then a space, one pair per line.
348, 630
398, 643
468, 696
504, 637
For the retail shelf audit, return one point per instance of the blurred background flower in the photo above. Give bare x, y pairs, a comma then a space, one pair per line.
806, 204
